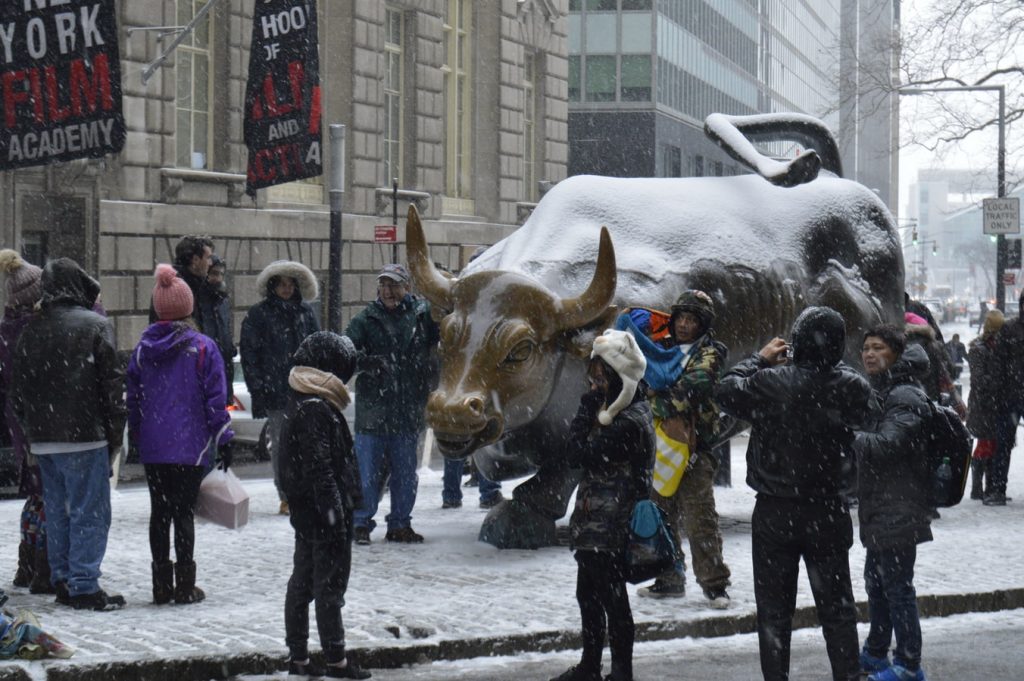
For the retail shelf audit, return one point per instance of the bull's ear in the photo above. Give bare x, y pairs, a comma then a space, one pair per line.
580, 342
435, 286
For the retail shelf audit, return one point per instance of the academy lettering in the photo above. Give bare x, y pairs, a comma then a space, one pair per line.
76, 138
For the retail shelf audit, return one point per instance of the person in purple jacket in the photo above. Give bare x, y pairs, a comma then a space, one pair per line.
176, 394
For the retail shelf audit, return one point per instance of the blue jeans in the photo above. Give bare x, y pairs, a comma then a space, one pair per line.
400, 451
892, 604
76, 497
452, 492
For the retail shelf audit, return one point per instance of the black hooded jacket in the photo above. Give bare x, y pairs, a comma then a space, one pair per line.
67, 382
802, 414
892, 459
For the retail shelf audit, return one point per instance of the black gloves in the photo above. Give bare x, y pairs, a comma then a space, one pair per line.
590, 402
225, 454
374, 364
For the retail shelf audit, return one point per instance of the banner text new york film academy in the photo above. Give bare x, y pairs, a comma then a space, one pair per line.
60, 81
282, 96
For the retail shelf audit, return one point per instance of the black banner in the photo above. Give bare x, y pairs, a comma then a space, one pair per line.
60, 81
282, 97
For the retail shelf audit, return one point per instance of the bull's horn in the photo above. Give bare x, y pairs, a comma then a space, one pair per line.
578, 312
434, 286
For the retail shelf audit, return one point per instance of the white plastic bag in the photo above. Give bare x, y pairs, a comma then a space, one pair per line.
223, 500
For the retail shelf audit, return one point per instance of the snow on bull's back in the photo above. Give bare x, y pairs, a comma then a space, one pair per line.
663, 225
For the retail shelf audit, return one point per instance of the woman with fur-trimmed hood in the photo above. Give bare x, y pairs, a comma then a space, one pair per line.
272, 331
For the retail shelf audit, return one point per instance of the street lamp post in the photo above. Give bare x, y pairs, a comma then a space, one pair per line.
1000, 168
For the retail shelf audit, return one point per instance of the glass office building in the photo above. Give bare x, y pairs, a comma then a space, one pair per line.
644, 74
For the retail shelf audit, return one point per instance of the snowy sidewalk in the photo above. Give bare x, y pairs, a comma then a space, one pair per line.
447, 593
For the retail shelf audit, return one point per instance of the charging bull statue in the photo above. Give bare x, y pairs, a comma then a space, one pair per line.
522, 317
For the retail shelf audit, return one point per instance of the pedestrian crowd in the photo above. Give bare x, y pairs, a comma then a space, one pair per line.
825, 437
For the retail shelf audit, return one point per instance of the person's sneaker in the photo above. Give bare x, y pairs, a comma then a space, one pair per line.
662, 590
451, 504
493, 501
898, 672
305, 668
578, 673
994, 499
97, 600
718, 598
870, 664
283, 508
350, 671
363, 536
404, 535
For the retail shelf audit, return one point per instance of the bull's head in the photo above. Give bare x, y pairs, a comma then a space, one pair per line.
502, 343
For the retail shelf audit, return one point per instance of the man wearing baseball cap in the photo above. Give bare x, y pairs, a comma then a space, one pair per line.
396, 339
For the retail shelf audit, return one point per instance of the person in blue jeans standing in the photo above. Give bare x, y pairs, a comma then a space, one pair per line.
451, 493
893, 479
397, 341
85, 390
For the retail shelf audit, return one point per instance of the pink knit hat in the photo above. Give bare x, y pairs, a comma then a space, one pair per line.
23, 279
915, 319
172, 298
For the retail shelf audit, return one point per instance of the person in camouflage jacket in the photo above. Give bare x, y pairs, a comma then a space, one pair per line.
692, 507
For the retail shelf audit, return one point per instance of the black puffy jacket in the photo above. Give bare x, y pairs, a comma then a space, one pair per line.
987, 401
616, 460
802, 414
68, 384
318, 469
271, 331
893, 474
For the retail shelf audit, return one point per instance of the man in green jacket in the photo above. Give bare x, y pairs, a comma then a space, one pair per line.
396, 338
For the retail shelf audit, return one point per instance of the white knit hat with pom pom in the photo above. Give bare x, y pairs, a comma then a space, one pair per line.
620, 351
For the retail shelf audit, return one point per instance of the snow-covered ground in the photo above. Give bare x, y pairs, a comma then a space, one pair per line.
450, 587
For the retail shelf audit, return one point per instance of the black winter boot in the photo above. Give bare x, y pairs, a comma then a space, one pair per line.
185, 589
41, 577
163, 582
977, 479
26, 565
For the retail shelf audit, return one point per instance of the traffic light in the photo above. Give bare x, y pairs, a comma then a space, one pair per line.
913, 236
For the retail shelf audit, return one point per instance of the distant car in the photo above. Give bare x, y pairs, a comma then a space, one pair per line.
936, 307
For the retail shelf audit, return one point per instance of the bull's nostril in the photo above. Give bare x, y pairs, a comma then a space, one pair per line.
475, 405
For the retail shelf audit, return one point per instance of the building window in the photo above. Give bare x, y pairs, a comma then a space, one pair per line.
194, 97
600, 78
671, 161
529, 126
636, 78
698, 166
458, 98
574, 78
394, 39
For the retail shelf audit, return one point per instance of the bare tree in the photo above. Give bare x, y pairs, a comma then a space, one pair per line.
955, 43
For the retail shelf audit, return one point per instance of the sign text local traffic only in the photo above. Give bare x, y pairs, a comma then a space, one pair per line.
1002, 216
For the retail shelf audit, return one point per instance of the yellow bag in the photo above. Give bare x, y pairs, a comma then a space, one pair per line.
672, 454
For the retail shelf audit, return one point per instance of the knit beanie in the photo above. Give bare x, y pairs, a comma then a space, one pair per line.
23, 280
172, 298
620, 351
994, 321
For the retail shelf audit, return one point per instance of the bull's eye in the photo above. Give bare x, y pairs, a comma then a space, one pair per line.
520, 352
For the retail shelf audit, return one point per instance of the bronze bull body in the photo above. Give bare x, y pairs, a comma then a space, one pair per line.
522, 317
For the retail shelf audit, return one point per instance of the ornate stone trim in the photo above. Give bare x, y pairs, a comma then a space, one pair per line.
537, 20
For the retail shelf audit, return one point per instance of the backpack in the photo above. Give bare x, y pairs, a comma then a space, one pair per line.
949, 455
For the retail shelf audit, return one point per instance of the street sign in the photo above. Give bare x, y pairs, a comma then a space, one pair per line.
1010, 278
1013, 259
385, 234
1002, 216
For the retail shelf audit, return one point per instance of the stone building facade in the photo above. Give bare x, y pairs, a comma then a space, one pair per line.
464, 102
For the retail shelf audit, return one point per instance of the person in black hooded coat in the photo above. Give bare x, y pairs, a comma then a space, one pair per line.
894, 481
320, 476
802, 415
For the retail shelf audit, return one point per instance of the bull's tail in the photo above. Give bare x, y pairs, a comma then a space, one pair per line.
737, 134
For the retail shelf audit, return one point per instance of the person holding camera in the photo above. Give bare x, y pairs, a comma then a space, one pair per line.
176, 397
803, 405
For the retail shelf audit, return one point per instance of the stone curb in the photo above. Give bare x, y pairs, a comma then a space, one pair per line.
206, 668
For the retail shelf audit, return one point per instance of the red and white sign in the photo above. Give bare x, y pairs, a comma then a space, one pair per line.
385, 234
1010, 278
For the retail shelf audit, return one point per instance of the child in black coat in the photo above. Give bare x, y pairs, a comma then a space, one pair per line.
320, 477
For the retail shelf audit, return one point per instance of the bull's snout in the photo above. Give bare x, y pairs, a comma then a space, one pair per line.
461, 422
